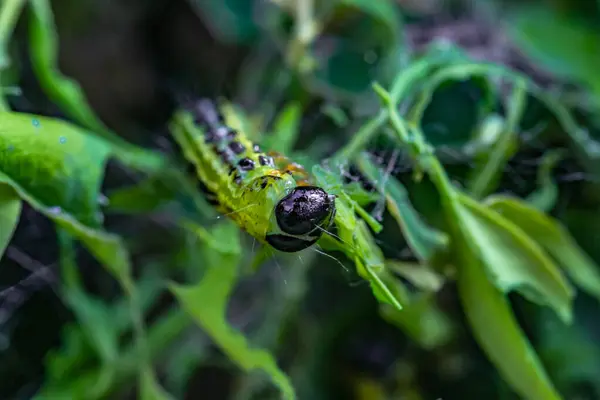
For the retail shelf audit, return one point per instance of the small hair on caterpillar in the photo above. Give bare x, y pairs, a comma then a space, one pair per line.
265, 194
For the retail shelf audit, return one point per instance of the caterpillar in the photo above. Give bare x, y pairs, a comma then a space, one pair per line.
267, 195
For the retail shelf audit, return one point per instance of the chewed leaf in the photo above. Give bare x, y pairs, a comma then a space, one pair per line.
554, 238
356, 241
328, 180
491, 255
206, 303
10, 209
424, 240
333, 184
497, 332
512, 259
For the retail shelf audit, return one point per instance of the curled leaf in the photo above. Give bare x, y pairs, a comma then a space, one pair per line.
554, 238
512, 259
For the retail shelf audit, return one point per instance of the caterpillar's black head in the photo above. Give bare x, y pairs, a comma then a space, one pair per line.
302, 216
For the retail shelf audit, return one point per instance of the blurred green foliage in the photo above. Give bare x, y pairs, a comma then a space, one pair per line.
442, 238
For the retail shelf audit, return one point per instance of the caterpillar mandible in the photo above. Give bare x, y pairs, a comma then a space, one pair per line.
268, 196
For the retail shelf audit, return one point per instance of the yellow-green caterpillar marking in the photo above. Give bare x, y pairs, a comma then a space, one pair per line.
267, 196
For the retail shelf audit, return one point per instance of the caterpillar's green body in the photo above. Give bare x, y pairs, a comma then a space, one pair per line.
265, 195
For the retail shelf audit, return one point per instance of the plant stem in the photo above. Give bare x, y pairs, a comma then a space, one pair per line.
9, 15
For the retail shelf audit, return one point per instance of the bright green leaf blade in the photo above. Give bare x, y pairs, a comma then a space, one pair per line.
58, 169
55, 162
497, 332
206, 303
512, 259
555, 239
423, 240
10, 210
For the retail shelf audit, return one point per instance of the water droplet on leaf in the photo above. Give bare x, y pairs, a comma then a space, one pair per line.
103, 200
55, 210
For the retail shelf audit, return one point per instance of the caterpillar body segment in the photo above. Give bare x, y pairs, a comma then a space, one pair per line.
267, 195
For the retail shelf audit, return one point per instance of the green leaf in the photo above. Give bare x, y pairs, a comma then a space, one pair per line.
498, 333
423, 240
206, 303
555, 42
554, 238
357, 193
57, 168
10, 210
489, 251
511, 258
55, 162
333, 184
355, 240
